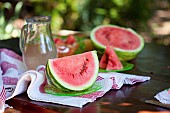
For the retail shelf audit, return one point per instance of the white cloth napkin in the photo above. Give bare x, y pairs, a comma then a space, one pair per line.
15, 79
163, 96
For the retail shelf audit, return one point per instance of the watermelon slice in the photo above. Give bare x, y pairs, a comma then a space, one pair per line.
70, 39
76, 72
126, 42
110, 60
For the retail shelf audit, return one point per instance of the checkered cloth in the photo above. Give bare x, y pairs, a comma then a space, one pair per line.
163, 96
15, 79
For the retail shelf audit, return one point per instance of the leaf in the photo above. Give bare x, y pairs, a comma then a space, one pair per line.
18, 8
2, 22
8, 28
7, 5
81, 47
126, 66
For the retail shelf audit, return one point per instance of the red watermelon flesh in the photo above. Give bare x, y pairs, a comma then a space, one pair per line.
58, 41
119, 38
110, 60
70, 39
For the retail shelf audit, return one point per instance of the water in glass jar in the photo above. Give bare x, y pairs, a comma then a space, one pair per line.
35, 55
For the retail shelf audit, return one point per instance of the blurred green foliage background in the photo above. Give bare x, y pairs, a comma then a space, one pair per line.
86, 14
82, 15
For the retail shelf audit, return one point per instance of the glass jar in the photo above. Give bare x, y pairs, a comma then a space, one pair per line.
36, 42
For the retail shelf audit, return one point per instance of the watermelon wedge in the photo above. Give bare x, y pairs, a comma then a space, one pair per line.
76, 72
110, 60
126, 42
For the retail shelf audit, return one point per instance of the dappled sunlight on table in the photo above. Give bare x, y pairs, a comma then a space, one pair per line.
154, 112
125, 104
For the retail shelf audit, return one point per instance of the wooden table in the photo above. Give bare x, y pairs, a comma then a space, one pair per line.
153, 61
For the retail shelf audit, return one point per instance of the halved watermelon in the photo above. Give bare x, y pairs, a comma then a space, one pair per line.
126, 42
76, 72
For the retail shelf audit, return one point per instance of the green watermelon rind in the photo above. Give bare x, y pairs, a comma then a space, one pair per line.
124, 55
76, 88
52, 81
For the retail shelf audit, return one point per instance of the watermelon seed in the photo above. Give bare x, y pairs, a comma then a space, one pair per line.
107, 35
72, 75
84, 68
130, 41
